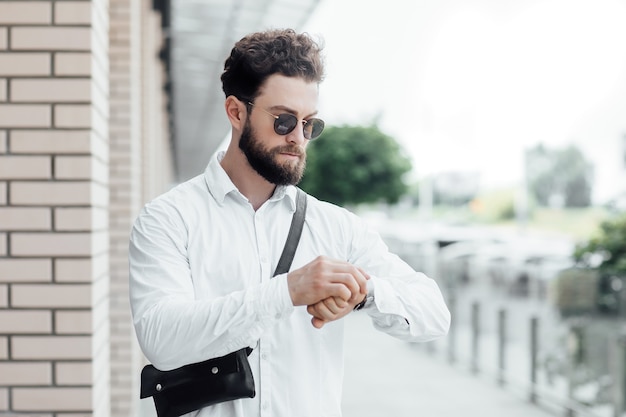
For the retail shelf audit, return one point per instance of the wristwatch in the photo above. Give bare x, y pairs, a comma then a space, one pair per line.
368, 299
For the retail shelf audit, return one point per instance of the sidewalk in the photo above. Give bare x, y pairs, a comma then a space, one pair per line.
388, 377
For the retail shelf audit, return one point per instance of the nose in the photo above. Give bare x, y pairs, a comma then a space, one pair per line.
297, 134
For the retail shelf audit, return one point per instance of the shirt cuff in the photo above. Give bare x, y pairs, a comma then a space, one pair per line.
274, 299
389, 309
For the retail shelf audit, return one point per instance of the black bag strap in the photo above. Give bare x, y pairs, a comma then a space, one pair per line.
293, 238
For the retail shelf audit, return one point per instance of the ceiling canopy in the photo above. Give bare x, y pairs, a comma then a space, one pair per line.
202, 35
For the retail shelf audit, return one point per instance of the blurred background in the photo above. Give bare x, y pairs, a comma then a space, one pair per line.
503, 133
485, 140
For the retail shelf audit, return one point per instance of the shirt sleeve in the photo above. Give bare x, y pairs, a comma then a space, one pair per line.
173, 326
407, 304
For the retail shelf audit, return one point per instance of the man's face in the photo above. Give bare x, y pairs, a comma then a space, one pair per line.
279, 158
270, 163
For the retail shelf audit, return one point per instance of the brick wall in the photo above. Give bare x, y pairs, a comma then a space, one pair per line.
83, 144
54, 197
140, 168
125, 141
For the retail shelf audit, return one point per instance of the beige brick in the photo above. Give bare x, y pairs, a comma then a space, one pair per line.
4, 399
50, 347
75, 64
3, 89
25, 270
4, 347
51, 244
24, 373
73, 270
72, 167
25, 322
72, 116
24, 64
24, 12
51, 38
73, 322
72, 13
3, 193
73, 373
16, 115
23, 218
3, 141
3, 244
52, 399
50, 295
25, 167
72, 219
50, 193
50, 141
52, 90
4, 36
4, 296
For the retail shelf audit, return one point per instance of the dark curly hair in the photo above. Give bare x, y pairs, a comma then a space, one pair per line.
278, 51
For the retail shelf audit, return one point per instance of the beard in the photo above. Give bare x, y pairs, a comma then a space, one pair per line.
265, 161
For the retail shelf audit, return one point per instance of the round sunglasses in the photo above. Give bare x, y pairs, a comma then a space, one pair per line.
285, 123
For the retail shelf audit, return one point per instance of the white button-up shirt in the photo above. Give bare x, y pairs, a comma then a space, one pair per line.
201, 286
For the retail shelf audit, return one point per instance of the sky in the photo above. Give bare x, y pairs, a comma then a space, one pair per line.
467, 85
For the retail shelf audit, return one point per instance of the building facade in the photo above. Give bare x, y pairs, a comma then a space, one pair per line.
83, 142
86, 138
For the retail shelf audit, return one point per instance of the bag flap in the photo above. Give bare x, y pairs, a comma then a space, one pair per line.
154, 381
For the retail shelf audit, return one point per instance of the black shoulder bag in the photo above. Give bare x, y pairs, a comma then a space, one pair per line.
216, 380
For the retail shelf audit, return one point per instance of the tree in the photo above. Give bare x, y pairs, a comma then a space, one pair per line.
355, 164
559, 175
609, 245
606, 253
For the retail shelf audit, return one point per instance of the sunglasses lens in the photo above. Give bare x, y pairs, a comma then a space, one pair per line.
313, 128
285, 123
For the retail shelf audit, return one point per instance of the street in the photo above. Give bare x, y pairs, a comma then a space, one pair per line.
389, 377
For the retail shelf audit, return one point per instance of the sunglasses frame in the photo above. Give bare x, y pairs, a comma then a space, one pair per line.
281, 118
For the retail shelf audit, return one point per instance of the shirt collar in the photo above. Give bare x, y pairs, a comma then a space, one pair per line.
220, 185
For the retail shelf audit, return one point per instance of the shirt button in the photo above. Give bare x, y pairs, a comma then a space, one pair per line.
265, 406
264, 356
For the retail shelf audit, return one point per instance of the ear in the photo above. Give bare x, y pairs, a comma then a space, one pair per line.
235, 111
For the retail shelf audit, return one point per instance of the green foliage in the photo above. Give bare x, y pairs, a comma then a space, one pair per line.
559, 174
354, 165
609, 243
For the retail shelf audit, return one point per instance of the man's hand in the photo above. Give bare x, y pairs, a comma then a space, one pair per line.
327, 279
331, 309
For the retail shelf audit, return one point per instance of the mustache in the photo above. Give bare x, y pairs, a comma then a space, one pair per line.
293, 149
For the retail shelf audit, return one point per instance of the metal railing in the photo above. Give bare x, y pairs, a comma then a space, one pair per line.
490, 351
